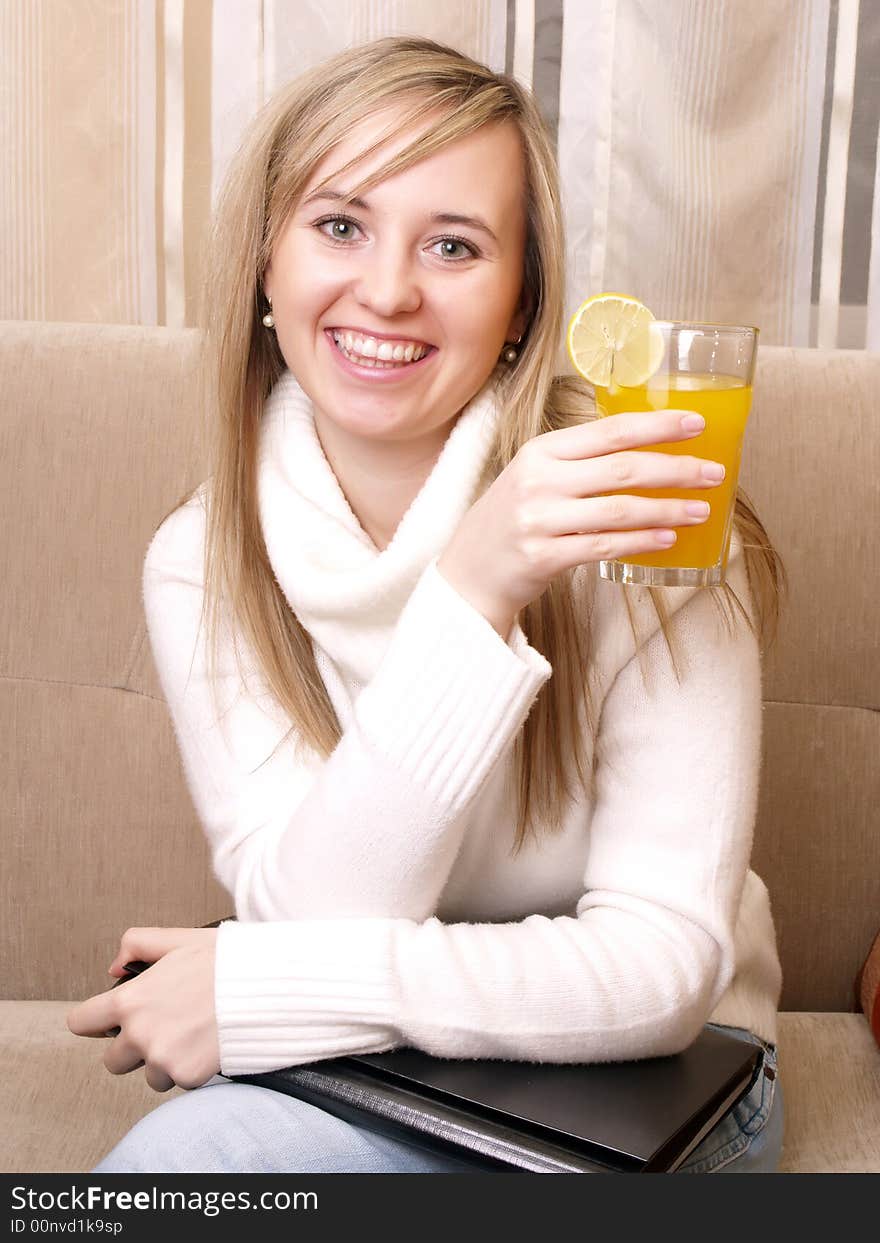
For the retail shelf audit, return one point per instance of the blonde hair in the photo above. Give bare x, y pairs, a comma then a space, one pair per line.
242, 361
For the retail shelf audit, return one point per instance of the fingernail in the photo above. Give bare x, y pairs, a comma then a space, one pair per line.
698, 509
713, 470
693, 422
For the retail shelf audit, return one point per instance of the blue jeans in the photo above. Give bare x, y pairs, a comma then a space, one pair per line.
748, 1140
239, 1128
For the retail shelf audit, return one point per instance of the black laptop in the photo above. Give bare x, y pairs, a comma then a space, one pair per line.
621, 1117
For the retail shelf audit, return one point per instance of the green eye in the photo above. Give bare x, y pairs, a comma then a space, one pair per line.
342, 228
470, 251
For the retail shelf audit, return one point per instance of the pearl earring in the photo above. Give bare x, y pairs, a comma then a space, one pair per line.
511, 354
269, 318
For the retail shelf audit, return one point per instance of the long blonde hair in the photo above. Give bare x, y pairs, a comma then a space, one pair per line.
242, 361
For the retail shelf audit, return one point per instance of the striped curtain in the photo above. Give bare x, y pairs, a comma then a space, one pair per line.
718, 157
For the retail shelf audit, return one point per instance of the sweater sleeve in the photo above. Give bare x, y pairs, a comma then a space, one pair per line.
375, 828
635, 972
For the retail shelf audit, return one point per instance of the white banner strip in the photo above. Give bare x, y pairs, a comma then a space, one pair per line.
236, 79
175, 292
269, 45
605, 92
147, 300
813, 25
524, 42
584, 147
836, 172
872, 337
494, 50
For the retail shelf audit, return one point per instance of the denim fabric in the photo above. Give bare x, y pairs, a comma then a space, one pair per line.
747, 1140
240, 1128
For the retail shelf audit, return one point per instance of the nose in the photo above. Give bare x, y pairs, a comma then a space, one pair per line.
388, 281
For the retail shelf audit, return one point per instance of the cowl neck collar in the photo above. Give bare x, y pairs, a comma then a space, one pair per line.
347, 593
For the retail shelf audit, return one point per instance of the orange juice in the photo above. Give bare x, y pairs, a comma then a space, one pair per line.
724, 403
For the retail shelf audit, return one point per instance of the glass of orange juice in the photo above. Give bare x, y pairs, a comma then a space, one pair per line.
707, 368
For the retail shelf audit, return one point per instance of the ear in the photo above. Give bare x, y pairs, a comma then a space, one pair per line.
516, 329
517, 326
523, 315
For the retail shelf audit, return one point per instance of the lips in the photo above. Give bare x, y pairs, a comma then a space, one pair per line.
373, 369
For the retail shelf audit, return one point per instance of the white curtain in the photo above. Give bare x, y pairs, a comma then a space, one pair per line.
691, 162
718, 157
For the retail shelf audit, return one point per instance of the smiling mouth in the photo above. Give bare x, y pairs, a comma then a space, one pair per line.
402, 354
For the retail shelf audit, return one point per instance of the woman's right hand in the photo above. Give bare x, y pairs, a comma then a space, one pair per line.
557, 505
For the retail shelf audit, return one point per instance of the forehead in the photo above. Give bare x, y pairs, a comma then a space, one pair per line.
487, 164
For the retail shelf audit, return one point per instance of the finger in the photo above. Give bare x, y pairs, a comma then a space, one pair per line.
621, 513
147, 945
572, 550
95, 1016
596, 437
157, 1079
122, 1055
639, 468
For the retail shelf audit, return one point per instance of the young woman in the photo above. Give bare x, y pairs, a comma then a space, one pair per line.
467, 797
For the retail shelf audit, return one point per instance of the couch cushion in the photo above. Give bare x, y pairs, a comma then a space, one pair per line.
99, 437
61, 1111
816, 846
829, 1067
95, 839
811, 458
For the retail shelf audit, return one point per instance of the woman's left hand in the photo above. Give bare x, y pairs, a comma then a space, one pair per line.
166, 1014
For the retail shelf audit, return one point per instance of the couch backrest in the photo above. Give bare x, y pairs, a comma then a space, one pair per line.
100, 438
811, 464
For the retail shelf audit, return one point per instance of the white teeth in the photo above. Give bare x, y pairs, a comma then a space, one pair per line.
372, 353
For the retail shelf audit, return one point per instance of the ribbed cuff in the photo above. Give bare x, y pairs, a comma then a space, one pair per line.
291, 992
450, 694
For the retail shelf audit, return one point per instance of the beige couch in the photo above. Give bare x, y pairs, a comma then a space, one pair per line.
99, 438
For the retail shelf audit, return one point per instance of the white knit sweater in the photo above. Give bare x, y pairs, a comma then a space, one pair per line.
378, 900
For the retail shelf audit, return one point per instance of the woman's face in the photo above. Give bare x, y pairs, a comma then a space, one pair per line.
395, 275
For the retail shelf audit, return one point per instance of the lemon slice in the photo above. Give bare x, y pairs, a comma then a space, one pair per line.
610, 341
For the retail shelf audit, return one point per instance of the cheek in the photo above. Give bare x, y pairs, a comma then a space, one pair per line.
304, 281
480, 322
309, 296
471, 310
492, 304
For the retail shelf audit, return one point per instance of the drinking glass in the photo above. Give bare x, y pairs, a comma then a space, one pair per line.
707, 368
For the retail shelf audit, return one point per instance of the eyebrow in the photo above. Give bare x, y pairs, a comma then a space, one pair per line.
441, 217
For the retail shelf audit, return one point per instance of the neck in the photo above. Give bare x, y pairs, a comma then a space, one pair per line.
380, 479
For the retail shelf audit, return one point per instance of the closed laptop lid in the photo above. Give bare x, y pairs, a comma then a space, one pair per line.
649, 1113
